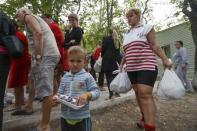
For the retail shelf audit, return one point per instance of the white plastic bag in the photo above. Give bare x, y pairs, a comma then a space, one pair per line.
170, 86
98, 64
121, 83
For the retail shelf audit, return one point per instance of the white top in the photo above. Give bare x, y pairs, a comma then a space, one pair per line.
138, 52
137, 33
49, 43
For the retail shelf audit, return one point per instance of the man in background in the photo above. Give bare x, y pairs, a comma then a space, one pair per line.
180, 59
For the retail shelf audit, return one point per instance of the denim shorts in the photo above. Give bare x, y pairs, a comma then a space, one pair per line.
42, 75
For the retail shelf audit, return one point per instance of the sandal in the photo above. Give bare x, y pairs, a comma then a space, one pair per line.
24, 112
9, 109
16, 112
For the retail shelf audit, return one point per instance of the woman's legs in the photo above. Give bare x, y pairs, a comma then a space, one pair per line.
19, 100
19, 97
147, 104
143, 82
140, 124
101, 81
109, 77
136, 94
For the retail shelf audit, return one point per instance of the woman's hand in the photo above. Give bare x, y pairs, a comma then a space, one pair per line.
122, 64
167, 63
121, 67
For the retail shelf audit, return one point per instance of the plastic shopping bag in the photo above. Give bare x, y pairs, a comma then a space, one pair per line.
170, 86
98, 64
121, 83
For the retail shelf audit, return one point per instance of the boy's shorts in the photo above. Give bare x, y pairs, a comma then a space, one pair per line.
83, 125
146, 77
42, 75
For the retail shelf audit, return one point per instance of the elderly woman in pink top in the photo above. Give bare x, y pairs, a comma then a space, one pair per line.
140, 49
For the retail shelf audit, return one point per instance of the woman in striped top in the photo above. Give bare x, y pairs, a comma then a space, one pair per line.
140, 49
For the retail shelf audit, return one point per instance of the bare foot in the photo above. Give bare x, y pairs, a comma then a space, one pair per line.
43, 127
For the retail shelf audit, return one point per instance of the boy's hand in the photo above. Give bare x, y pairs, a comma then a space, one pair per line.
81, 100
55, 101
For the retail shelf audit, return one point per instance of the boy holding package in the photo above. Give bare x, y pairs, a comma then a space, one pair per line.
77, 84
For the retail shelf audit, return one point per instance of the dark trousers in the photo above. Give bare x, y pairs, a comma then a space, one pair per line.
93, 73
109, 77
4, 70
101, 79
84, 125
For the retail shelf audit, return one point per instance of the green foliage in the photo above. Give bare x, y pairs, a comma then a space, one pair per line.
54, 7
96, 16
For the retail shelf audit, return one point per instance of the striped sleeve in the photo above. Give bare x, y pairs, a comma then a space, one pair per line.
61, 88
92, 87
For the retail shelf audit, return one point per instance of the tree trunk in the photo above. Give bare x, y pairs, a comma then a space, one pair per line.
194, 35
110, 7
192, 15
111, 13
108, 16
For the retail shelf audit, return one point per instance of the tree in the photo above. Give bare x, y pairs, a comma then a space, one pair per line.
189, 9
96, 16
54, 7
192, 16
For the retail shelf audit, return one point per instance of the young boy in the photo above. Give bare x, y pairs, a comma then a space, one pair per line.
81, 85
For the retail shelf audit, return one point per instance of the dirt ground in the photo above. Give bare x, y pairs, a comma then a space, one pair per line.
172, 115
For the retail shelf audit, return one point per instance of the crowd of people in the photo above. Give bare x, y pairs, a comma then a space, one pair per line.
53, 64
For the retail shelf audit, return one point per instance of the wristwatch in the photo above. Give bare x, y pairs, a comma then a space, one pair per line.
38, 56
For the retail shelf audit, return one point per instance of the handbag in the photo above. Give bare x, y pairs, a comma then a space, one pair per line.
14, 46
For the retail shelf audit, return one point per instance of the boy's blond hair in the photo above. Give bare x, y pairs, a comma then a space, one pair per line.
77, 50
137, 11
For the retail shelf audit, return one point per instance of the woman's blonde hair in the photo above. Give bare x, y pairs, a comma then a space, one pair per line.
115, 38
137, 11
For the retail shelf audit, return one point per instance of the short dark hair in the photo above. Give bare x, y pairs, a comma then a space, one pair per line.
180, 42
46, 16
